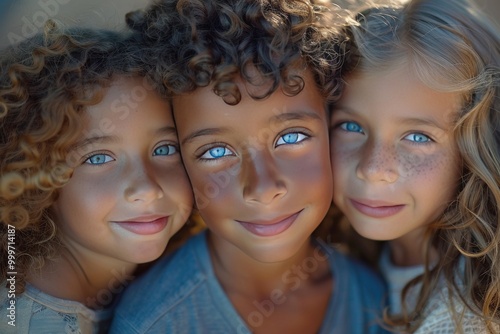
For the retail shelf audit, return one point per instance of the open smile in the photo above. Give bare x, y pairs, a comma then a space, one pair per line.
272, 227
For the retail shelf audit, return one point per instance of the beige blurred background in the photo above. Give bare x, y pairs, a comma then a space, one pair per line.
22, 18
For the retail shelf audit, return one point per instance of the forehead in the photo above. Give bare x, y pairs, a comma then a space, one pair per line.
128, 109
439, 76
204, 109
398, 99
403, 81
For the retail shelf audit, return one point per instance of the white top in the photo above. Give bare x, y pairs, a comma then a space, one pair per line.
397, 278
35, 312
438, 315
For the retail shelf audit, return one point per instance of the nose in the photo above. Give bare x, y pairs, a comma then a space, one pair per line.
142, 186
378, 163
262, 183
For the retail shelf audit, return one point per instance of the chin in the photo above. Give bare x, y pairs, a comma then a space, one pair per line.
376, 233
149, 253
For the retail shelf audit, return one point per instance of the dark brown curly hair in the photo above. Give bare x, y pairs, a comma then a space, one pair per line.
194, 43
45, 84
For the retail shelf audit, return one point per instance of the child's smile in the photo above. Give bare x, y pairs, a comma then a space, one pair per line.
394, 159
271, 227
260, 169
129, 193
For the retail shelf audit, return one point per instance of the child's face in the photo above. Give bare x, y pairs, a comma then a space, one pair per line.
259, 170
395, 162
129, 192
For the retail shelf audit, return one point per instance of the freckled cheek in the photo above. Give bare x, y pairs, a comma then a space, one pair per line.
427, 168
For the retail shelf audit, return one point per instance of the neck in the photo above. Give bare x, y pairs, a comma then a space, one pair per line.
409, 250
240, 274
88, 278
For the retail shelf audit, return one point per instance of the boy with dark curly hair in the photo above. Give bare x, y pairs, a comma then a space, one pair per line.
251, 82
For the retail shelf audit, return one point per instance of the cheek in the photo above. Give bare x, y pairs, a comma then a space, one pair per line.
74, 208
310, 176
212, 189
89, 195
315, 172
342, 163
436, 176
175, 184
75, 194
428, 167
342, 159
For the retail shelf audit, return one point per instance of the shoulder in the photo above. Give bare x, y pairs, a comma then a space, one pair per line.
358, 298
347, 266
442, 320
164, 286
445, 313
362, 282
34, 311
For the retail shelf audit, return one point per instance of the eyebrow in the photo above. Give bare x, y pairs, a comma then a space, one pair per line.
289, 116
203, 132
94, 140
297, 115
423, 121
428, 121
106, 139
167, 130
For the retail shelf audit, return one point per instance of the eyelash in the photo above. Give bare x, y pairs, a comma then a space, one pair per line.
429, 139
214, 146
226, 147
298, 133
86, 158
175, 147
341, 125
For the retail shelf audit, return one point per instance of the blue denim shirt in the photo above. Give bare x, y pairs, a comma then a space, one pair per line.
180, 294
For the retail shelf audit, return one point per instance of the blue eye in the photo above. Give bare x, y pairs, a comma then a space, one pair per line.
291, 138
418, 138
165, 150
351, 127
216, 153
98, 159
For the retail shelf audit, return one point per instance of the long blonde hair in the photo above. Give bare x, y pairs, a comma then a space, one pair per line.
451, 47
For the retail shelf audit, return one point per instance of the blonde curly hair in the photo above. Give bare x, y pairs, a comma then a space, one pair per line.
46, 82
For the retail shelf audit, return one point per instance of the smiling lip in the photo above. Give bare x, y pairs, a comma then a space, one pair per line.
377, 209
270, 228
144, 225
